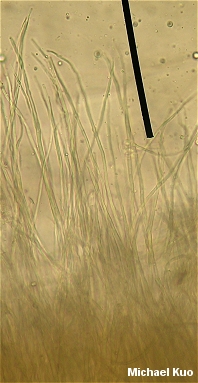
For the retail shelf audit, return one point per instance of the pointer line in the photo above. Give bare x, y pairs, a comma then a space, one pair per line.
136, 68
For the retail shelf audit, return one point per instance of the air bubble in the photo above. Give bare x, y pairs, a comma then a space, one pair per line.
35, 68
162, 60
135, 24
169, 24
195, 55
127, 53
97, 54
60, 63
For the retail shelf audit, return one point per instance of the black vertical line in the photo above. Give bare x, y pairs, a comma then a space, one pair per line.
136, 68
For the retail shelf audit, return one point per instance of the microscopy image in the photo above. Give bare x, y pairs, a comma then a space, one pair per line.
98, 222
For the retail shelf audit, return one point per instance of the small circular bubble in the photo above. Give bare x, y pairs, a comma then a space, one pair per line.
33, 284
135, 24
169, 24
162, 60
127, 53
2, 57
60, 63
195, 55
97, 54
35, 68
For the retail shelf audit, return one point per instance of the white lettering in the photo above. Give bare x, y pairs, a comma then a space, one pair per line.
132, 372
162, 373
177, 372
149, 372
